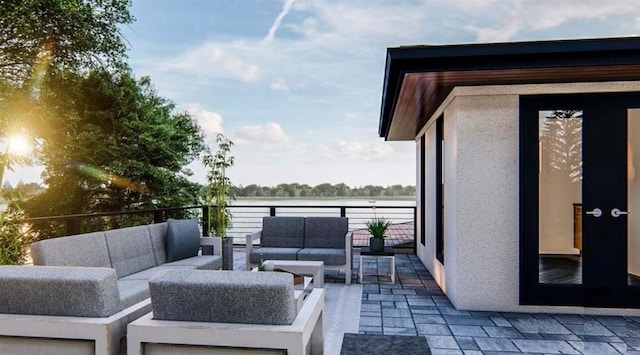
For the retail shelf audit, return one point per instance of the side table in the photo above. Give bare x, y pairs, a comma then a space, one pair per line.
388, 253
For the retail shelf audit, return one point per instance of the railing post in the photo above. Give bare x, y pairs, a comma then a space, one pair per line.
73, 226
157, 216
272, 211
343, 211
205, 221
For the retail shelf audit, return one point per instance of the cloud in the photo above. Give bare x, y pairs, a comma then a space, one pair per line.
215, 61
278, 21
279, 85
267, 135
515, 16
210, 122
359, 150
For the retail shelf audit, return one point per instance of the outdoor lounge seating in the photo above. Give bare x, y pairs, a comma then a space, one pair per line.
63, 310
197, 312
326, 239
90, 286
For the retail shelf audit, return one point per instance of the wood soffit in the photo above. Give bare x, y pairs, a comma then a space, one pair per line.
418, 79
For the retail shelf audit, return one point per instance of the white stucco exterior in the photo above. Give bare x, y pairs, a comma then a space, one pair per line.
481, 195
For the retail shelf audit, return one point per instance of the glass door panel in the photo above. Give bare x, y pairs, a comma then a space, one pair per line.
560, 196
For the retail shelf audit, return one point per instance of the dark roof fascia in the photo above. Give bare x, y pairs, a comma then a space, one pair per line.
497, 56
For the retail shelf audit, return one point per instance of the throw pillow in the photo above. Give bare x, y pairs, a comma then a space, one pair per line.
183, 238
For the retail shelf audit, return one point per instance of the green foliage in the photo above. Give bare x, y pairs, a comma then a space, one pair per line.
71, 34
113, 144
219, 186
378, 226
324, 190
14, 241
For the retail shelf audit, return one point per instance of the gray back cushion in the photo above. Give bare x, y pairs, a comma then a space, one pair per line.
325, 232
158, 233
88, 249
59, 290
130, 250
223, 296
183, 238
282, 232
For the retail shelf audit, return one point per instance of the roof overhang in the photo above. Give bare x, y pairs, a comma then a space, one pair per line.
418, 78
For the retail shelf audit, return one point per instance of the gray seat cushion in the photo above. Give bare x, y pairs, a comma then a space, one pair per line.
158, 234
130, 250
223, 296
183, 238
330, 256
59, 291
325, 232
200, 262
88, 249
148, 273
133, 291
282, 232
273, 254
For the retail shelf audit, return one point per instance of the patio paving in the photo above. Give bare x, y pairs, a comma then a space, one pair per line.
415, 305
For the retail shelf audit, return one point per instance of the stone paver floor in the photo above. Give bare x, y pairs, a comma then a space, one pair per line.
415, 305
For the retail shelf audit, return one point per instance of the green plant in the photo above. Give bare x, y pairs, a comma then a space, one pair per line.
219, 186
378, 226
14, 240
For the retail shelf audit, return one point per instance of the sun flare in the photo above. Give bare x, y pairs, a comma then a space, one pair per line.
19, 145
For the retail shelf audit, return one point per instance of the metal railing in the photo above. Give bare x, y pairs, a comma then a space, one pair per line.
247, 218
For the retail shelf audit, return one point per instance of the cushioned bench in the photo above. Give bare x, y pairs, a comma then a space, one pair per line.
326, 239
227, 312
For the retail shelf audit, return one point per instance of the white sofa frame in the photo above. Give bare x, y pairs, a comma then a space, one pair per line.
105, 333
305, 330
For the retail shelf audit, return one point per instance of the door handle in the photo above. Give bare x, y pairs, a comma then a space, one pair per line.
617, 213
596, 212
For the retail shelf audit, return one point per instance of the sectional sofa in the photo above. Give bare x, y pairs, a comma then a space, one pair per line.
326, 239
85, 289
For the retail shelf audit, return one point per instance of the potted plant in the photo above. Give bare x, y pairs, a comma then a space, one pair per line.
377, 227
219, 193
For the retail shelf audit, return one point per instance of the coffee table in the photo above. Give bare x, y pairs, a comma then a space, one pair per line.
313, 269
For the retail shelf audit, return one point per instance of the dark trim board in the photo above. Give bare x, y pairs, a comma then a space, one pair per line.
439, 189
423, 192
429, 73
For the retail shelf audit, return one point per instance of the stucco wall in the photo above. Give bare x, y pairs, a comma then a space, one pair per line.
482, 200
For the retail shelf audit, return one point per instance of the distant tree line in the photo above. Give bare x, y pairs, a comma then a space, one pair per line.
322, 190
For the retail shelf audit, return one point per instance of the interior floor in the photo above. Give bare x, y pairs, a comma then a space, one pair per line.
567, 269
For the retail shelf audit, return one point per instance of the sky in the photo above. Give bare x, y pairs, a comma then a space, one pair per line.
297, 84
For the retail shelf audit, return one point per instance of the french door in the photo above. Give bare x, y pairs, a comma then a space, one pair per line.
580, 200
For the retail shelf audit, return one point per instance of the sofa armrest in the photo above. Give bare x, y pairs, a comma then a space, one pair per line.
216, 242
249, 246
348, 244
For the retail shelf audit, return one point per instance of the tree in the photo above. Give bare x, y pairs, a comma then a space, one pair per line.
39, 35
113, 144
219, 186
70, 34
